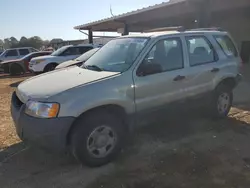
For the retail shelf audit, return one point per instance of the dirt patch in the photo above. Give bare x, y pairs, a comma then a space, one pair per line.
7, 132
206, 159
186, 152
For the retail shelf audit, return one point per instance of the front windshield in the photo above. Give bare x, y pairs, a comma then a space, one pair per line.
59, 51
117, 55
87, 55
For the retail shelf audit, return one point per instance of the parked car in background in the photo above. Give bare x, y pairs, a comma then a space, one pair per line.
65, 53
78, 61
49, 49
16, 53
132, 79
19, 66
1, 49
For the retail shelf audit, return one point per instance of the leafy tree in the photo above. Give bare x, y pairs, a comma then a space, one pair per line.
56, 40
23, 40
7, 43
35, 42
13, 41
1, 42
1, 46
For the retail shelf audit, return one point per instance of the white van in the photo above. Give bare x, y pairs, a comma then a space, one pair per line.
65, 53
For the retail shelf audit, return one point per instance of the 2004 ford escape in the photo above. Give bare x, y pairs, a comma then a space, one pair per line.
90, 109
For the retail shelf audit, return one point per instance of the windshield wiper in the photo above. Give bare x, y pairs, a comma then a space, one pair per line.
92, 67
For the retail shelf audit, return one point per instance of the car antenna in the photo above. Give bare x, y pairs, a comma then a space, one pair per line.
111, 12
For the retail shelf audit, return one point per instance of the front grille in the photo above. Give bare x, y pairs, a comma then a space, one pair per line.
16, 101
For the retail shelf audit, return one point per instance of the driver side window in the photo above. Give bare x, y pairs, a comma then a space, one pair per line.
165, 55
70, 51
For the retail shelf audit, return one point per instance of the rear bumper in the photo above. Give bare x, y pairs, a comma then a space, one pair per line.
238, 78
47, 133
5, 68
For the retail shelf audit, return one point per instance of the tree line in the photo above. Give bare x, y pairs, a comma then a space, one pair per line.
35, 42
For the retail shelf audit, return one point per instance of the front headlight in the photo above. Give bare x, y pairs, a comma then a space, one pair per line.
42, 110
38, 61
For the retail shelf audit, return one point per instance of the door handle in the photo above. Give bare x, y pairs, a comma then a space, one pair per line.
179, 77
215, 70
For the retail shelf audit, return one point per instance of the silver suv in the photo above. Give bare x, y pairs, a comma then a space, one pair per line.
91, 109
15, 53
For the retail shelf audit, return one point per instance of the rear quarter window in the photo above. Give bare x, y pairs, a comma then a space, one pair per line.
24, 51
227, 45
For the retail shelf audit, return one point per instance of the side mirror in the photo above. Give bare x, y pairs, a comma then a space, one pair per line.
148, 69
79, 64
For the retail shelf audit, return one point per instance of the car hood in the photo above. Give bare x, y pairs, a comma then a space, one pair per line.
67, 64
55, 82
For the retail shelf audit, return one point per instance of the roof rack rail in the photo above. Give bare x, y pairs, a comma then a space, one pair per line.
207, 29
178, 28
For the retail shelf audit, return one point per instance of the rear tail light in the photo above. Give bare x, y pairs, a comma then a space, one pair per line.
26, 64
240, 65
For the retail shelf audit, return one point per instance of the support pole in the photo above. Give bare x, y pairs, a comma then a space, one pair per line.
90, 36
125, 32
204, 14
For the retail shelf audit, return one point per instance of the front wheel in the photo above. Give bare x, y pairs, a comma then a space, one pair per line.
221, 102
97, 138
50, 67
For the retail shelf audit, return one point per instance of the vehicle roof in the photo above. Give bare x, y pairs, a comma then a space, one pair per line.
174, 32
19, 48
40, 52
81, 45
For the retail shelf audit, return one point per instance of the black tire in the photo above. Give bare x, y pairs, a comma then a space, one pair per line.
221, 111
16, 69
81, 135
50, 67
37, 73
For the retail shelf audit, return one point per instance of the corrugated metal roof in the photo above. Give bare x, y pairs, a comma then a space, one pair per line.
156, 6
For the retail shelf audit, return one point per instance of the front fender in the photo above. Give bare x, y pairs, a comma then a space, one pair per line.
110, 91
221, 78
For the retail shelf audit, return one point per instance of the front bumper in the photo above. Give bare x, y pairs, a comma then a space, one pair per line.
47, 133
36, 68
31, 68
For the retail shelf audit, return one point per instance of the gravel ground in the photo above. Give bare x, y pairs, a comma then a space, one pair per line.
191, 151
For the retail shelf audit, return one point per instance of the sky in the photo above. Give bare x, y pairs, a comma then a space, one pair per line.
56, 18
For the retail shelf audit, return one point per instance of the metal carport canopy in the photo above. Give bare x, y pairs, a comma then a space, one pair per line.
171, 13
137, 20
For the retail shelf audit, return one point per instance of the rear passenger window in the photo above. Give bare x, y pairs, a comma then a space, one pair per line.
23, 51
84, 49
71, 51
226, 45
200, 50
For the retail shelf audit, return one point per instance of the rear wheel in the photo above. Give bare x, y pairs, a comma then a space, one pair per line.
97, 138
221, 101
16, 69
50, 67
